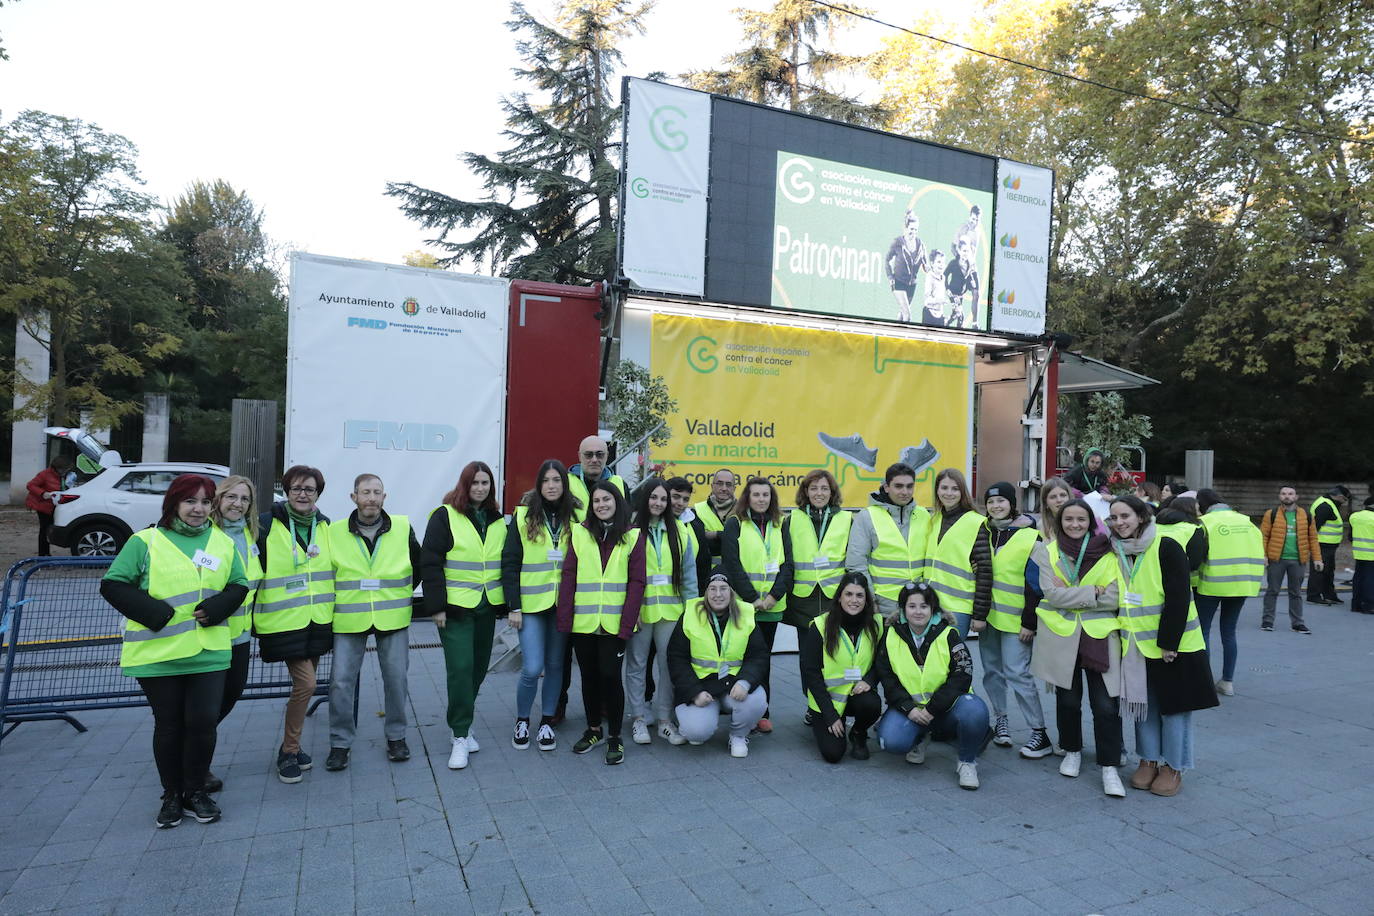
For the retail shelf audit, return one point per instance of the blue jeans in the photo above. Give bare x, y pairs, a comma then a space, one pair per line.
1006, 660
393, 657
961, 623
1230, 613
1166, 739
541, 651
966, 722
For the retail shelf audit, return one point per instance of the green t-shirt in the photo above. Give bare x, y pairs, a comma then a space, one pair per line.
1290, 538
131, 567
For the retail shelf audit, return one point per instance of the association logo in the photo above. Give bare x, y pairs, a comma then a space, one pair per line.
411, 307
639, 187
794, 181
1007, 241
663, 127
1006, 296
701, 354
1012, 182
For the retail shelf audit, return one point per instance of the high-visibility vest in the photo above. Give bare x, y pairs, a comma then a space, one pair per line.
1331, 530
1098, 624
709, 520
1362, 534
175, 579
707, 655
1140, 619
1182, 533
539, 572
758, 551
599, 595
947, 561
241, 621
578, 488
472, 566
281, 611
821, 563
921, 681
894, 562
842, 671
1235, 562
372, 589
662, 599
1009, 580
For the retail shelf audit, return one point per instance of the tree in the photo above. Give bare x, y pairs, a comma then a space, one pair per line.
418, 258
1109, 428
548, 213
4, 55
783, 63
637, 405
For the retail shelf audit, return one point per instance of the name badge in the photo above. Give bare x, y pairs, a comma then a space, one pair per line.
853, 674
370, 585
820, 563
205, 560
1133, 599
724, 670
295, 583
253, 550
555, 555
660, 580
770, 569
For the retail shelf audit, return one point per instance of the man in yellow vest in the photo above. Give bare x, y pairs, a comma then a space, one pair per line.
1326, 515
1232, 572
1362, 545
716, 508
895, 555
584, 475
376, 560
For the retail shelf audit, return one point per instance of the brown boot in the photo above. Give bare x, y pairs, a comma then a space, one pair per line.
1145, 774
1168, 782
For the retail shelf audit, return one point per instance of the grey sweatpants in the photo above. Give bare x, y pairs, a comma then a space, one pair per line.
699, 723
637, 663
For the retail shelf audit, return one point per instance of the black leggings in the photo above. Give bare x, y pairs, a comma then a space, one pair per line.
600, 658
768, 630
1106, 717
235, 679
865, 708
185, 707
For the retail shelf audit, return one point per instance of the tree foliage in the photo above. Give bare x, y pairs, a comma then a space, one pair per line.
637, 405
1107, 426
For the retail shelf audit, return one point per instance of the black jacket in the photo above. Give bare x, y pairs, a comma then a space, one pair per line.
990, 540
811, 657
686, 684
513, 557
957, 684
314, 639
433, 554
734, 570
1185, 684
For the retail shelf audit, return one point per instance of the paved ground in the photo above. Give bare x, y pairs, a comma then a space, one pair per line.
1278, 818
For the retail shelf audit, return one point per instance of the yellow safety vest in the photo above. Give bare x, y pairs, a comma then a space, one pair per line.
174, 578
1234, 567
1331, 531
1362, 534
1096, 623
1009, 580
662, 599
1142, 602
709, 520
842, 672
707, 655
472, 566
947, 561
820, 563
578, 489
894, 562
241, 621
761, 555
921, 681
1182, 533
372, 589
297, 589
599, 595
541, 565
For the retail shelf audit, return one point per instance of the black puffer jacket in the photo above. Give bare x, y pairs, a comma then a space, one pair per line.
314, 639
956, 684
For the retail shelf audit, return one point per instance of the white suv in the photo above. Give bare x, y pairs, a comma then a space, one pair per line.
95, 518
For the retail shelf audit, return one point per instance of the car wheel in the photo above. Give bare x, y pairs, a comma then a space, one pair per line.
97, 541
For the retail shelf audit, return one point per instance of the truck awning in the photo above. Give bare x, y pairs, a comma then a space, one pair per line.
1078, 373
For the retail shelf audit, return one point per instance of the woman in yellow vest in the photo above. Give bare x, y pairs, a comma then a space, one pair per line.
1165, 673
178, 583
460, 569
757, 558
1362, 547
927, 676
715, 658
818, 531
537, 540
836, 653
671, 584
951, 564
599, 601
293, 618
1076, 639
235, 512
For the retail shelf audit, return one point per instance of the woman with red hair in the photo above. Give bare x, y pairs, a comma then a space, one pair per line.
460, 570
177, 583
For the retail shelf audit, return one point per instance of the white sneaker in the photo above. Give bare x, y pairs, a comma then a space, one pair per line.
739, 747
639, 731
1226, 688
1073, 762
918, 753
968, 775
669, 731
458, 758
1111, 783
473, 746
695, 743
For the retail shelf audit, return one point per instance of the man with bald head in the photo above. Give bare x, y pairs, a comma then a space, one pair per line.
584, 475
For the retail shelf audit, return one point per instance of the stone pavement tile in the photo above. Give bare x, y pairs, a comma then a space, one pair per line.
276, 884
325, 900
55, 853
593, 882
538, 861
1231, 894
587, 857
214, 896
557, 893
1112, 888
1254, 851
718, 895
621, 901
499, 898
385, 892
275, 906
1299, 875
493, 875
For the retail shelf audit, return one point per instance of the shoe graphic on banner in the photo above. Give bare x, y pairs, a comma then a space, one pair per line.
919, 457
851, 448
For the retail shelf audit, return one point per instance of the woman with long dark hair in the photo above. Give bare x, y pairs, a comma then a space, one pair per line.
837, 671
460, 570
537, 540
177, 583
957, 561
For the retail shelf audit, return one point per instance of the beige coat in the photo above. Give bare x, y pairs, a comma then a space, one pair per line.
1053, 657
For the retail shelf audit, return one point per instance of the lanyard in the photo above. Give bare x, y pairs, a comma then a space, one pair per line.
1132, 565
553, 532
362, 549
720, 637
825, 526
656, 538
1078, 564
295, 543
853, 646
766, 535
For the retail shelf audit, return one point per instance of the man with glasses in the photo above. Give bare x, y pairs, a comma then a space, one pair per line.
585, 474
715, 509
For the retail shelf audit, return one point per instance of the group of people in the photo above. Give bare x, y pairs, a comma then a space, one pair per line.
949, 296
671, 607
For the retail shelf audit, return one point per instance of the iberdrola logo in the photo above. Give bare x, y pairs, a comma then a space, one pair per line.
1012, 182
411, 307
1007, 296
1007, 241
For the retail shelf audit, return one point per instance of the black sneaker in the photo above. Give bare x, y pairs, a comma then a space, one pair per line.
169, 815
1001, 732
288, 767
303, 760
615, 751
201, 807
212, 782
521, 739
546, 737
1302, 628
808, 718
589, 740
1038, 746
1267, 627
858, 744
397, 751
337, 759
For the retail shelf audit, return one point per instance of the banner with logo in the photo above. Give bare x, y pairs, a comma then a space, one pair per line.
1022, 252
777, 402
667, 156
394, 371
873, 244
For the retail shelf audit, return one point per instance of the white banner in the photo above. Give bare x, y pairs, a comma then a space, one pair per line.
667, 156
394, 371
1021, 255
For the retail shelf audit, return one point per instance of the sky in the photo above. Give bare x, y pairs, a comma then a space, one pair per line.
312, 107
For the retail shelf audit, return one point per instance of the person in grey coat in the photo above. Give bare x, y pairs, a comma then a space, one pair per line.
897, 497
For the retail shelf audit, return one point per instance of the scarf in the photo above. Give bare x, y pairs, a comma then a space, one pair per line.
298, 518
186, 530
238, 533
1134, 703
1093, 653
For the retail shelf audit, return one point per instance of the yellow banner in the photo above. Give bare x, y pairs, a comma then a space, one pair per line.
777, 402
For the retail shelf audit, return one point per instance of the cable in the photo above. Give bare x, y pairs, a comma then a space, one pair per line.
1198, 109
